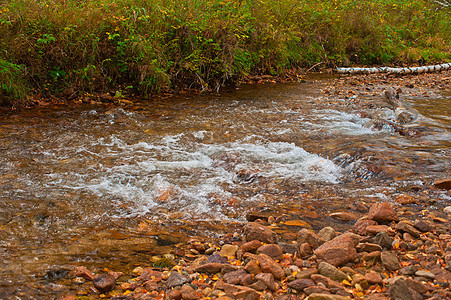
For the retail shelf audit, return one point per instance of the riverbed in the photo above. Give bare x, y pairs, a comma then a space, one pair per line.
104, 185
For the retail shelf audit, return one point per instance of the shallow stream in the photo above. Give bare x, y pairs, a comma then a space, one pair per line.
111, 186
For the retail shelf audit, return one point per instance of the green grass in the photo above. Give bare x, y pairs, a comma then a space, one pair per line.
54, 46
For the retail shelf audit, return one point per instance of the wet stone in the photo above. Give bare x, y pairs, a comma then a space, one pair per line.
375, 229
339, 250
444, 184
310, 237
382, 212
217, 258
289, 248
104, 282
210, 268
255, 231
84, 273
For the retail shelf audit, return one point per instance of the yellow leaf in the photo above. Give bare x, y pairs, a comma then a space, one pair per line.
345, 282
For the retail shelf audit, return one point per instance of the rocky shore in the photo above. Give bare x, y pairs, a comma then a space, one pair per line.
385, 255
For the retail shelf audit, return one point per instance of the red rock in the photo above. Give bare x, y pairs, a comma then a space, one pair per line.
188, 293
210, 268
317, 278
375, 229
344, 216
339, 250
268, 265
255, 231
240, 292
373, 278
104, 283
444, 184
252, 267
268, 280
300, 284
309, 236
148, 274
84, 273
251, 246
175, 295
361, 225
390, 261
239, 276
382, 212
305, 250
272, 250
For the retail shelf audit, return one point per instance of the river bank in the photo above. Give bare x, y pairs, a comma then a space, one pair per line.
395, 251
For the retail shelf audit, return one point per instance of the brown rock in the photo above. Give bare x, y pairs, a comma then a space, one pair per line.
84, 273
416, 286
316, 290
149, 273
373, 278
239, 292
305, 250
210, 268
300, 284
268, 280
372, 256
188, 293
443, 184
338, 251
329, 283
390, 261
307, 273
104, 283
176, 279
382, 212
375, 229
327, 233
368, 247
344, 216
239, 276
251, 246
258, 286
268, 265
316, 296
272, 250
422, 226
400, 291
309, 236
228, 250
361, 225
175, 295
405, 226
255, 231
252, 267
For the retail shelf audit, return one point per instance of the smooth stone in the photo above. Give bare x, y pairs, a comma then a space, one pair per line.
361, 225
188, 293
252, 267
210, 268
327, 233
268, 265
447, 210
368, 247
251, 246
104, 282
443, 184
425, 274
301, 284
339, 250
344, 216
309, 236
373, 278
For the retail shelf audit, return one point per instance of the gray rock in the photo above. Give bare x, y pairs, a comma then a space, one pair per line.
390, 261
400, 291
383, 240
331, 271
176, 279
425, 274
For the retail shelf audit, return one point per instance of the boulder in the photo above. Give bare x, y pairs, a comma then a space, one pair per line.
400, 291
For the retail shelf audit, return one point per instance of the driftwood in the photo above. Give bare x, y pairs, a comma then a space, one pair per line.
411, 70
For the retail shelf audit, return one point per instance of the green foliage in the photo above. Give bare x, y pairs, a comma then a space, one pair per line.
12, 85
154, 46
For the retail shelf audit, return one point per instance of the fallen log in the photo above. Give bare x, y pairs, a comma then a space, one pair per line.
410, 70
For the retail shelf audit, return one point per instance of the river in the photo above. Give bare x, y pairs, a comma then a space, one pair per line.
111, 186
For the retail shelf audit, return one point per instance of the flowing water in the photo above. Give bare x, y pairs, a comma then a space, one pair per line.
111, 186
